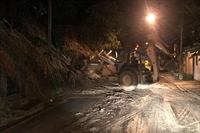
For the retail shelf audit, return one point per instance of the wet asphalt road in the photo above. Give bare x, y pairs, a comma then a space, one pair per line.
54, 119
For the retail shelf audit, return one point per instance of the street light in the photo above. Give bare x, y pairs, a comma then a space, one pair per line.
151, 18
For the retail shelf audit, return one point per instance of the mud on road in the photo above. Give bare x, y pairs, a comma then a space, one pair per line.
158, 108
162, 107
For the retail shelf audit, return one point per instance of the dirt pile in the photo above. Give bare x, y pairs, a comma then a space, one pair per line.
38, 72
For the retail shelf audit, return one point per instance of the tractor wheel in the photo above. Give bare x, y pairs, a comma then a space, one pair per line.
128, 78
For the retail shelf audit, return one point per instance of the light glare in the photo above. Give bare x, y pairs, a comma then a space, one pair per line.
151, 18
128, 88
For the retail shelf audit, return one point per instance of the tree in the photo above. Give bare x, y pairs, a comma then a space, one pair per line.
64, 11
102, 26
193, 20
193, 13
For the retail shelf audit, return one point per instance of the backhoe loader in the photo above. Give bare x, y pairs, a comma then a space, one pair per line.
126, 71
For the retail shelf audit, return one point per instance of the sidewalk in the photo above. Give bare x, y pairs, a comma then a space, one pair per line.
182, 84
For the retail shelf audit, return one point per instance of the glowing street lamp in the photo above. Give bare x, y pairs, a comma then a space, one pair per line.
151, 18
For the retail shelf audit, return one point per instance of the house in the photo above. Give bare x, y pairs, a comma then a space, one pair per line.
191, 66
197, 67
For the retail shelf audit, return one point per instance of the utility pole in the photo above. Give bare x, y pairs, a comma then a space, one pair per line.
181, 49
49, 39
49, 26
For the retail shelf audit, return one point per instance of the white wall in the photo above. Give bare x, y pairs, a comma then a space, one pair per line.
188, 65
197, 69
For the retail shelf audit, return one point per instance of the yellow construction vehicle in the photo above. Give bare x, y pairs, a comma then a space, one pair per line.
128, 65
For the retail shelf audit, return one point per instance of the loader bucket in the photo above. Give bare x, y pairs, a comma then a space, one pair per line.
171, 65
88, 66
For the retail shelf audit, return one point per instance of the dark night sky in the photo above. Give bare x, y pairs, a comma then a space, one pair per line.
167, 23
167, 18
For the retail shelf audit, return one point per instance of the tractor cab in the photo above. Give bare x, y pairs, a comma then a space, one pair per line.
130, 65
